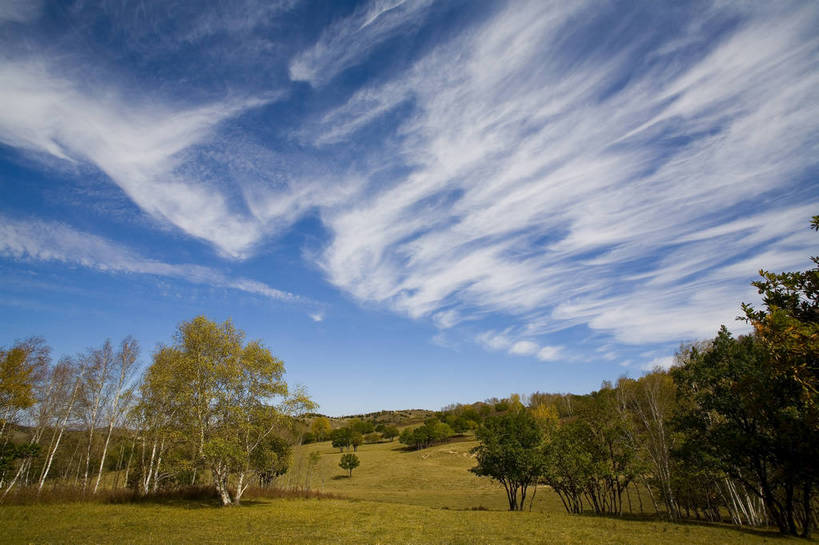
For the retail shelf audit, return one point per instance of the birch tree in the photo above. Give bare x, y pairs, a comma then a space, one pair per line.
97, 365
226, 396
125, 359
650, 401
68, 378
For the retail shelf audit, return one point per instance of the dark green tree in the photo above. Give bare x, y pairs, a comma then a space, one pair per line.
752, 421
389, 432
349, 462
510, 453
341, 438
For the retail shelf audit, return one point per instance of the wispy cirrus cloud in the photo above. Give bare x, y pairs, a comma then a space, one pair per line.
538, 167
562, 188
145, 147
348, 41
52, 241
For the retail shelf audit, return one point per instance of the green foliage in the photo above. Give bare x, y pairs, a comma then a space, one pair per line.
349, 462
9, 453
389, 432
356, 439
789, 324
342, 438
510, 452
433, 431
21, 366
746, 417
320, 428
223, 397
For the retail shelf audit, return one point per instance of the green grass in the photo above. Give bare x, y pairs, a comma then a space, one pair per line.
433, 477
338, 522
395, 497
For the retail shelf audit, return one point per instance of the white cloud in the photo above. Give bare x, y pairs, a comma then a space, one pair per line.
139, 145
549, 353
524, 348
494, 341
49, 241
538, 192
505, 340
347, 42
447, 318
636, 193
664, 363
317, 316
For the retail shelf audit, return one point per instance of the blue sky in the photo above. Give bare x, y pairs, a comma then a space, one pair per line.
411, 203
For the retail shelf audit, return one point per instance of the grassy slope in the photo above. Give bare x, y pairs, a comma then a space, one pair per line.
433, 477
399, 497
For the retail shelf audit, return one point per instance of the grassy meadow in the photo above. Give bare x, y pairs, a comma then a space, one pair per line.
394, 497
338, 522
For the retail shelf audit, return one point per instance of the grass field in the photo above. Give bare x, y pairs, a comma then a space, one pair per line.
433, 477
337, 522
395, 497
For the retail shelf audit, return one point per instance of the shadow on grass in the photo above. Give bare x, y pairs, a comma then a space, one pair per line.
188, 497
647, 517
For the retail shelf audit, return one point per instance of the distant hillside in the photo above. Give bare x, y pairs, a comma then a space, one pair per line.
397, 418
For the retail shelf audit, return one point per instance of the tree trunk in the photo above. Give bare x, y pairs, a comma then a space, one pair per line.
147, 479
13, 481
50, 457
240, 488
220, 480
806, 494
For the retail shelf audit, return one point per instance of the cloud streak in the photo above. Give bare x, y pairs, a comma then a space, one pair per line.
51, 241
147, 149
349, 41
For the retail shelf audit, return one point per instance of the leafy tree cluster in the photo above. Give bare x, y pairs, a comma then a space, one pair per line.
732, 429
352, 435
431, 432
210, 408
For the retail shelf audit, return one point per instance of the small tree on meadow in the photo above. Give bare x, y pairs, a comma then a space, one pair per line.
349, 462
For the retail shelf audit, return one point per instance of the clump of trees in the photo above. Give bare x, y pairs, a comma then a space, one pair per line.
210, 408
431, 432
732, 428
45, 405
352, 435
219, 401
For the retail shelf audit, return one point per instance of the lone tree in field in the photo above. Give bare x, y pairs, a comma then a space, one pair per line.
349, 462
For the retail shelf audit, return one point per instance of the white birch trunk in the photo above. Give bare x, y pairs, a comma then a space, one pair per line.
147, 479
50, 458
104, 453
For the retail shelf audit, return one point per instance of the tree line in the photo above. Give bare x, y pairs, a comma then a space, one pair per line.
732, 428
210, 409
